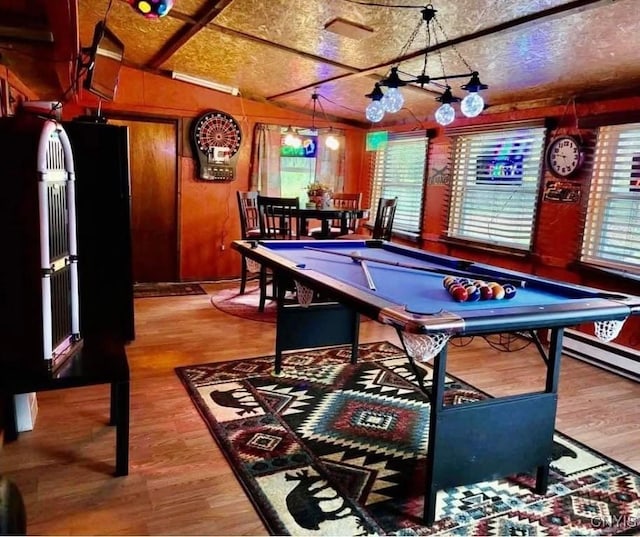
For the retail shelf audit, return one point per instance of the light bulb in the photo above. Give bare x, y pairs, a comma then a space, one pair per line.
292, 140
393, 100
332, 142
445, 114
472, 104
374, 111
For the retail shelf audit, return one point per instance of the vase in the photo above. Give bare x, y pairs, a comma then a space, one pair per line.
322, 200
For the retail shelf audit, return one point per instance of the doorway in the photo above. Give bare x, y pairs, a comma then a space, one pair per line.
154, 198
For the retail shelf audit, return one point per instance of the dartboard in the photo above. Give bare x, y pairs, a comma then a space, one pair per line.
217, 129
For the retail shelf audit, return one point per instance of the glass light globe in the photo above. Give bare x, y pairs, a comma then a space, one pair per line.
332, 142
472, 105
445, 114
292, 140
374, 111
393, 100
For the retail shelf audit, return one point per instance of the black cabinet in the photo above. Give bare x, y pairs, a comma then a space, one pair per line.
66, 289
103, 201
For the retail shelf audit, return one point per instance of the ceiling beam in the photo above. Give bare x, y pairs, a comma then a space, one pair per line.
570, 8
206, 15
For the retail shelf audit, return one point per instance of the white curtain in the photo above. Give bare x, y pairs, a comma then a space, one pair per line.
265, 160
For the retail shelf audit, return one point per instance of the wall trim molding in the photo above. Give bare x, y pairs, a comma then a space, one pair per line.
618, 359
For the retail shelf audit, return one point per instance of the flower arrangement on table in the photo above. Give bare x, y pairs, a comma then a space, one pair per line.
319, 194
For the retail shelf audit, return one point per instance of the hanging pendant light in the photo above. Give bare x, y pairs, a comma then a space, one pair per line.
392, 100
291, 138
375, 109
446, 113
473, 104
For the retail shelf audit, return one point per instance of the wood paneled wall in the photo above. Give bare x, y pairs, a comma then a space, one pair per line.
208, 219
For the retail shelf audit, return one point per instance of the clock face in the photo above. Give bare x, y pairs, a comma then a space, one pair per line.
217, 130
564, 156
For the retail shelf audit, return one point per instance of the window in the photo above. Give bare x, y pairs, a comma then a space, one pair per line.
494, 188
398, 171
611, 234
279, 170
295, 174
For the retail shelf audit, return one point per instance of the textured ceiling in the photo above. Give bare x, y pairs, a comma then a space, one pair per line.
278, 50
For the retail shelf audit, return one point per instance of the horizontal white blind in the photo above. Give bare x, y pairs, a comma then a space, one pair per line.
612, 226
494, 187
399, 172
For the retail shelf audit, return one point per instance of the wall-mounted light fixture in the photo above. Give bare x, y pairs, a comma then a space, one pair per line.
204, 83
392, 100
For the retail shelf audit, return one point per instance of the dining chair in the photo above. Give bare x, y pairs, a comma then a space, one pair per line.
278, 219
341, 200
383, 224
249, 227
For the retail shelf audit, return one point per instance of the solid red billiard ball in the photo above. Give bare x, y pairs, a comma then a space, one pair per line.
486, 292
459, 294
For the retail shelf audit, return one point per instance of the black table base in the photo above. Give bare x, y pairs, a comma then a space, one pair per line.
94, 361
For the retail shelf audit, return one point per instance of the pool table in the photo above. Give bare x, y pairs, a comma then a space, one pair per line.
468, 443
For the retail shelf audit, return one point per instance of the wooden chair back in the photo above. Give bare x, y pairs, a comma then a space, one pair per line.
347, 200
384, 218
249, 217
278, 217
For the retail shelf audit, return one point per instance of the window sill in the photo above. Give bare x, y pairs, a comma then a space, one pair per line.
620, 274
404, 235
483, 247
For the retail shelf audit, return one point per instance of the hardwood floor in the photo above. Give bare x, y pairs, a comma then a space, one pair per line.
179, 482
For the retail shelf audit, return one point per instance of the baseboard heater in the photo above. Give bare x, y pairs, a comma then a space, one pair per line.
616, 358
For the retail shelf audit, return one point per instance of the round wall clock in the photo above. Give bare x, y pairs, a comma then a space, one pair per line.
216, 139
564, 156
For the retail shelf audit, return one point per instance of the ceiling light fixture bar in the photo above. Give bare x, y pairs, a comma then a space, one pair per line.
392, 100
210, 84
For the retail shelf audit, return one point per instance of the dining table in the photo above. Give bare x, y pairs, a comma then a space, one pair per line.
326, 215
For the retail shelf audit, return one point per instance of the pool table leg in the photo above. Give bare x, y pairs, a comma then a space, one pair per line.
297, 326
437, 404
551, 386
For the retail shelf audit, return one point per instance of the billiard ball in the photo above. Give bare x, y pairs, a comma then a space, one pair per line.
486, 292
498, 290
509, 290
459, 294
473, 293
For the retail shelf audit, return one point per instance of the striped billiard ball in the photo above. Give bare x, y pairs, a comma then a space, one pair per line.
509, 290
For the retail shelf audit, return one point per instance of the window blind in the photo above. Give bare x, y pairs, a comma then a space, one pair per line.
398, 171
494, 188
611, 234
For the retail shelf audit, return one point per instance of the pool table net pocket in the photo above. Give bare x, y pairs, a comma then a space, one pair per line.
608, 330
424, 347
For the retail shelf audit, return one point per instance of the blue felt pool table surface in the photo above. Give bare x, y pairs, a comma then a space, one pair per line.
417, 301
420, 292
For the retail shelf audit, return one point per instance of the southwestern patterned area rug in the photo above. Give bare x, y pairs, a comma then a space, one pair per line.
330, 448
151, 290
